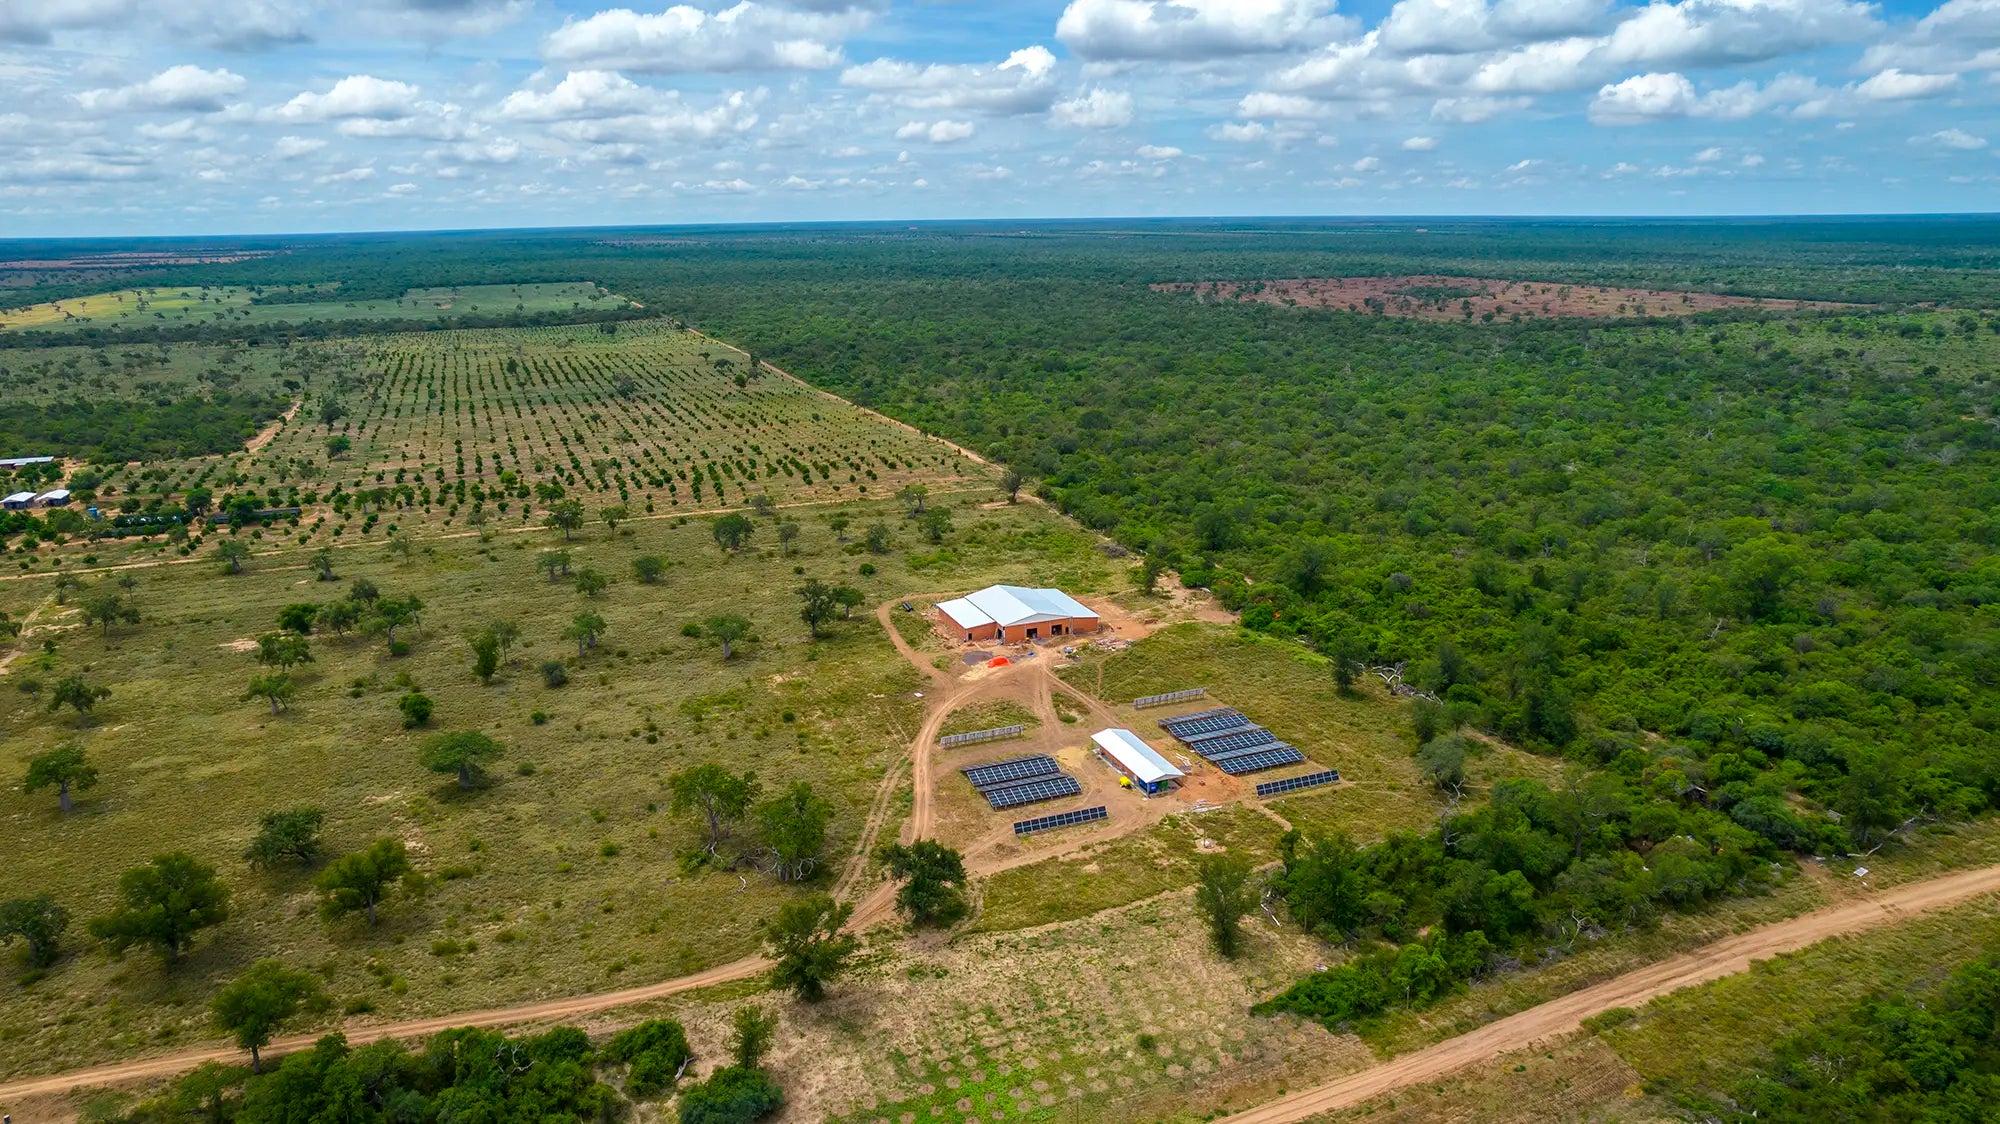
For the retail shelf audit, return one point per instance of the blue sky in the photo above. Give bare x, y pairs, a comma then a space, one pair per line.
219, 116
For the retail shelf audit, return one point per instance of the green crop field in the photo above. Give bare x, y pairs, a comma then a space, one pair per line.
240, 305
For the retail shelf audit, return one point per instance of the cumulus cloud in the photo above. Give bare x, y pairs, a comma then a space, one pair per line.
686, 39
1194, 29
179, 88
1094, 109
1158, 151
1264, 103
1420, 144
1894, 84
223, 24
1955, 138
1023, 83
1239, 132
355, 96
1419, 27
1473, 110
936, 132
1661, 96
291, 148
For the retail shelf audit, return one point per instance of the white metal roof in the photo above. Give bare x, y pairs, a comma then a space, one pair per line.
1141, 760
53, 494
20, 497
16, 462
1010, 605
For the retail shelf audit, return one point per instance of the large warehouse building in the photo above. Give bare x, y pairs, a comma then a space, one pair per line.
1014, 614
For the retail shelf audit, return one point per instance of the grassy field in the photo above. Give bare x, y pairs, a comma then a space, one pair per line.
127, 308
562, 876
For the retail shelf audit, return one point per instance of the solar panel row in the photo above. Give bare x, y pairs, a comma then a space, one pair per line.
1032, 792
1006, 772
1293, 784
1200, 716
1213, 744
1251, 761
1060, 819
1210, 726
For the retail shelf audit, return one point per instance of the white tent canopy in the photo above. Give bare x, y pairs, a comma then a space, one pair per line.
1142, 761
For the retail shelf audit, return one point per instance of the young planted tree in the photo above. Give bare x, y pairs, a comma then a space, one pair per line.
806, 945
63, 769
290, 836
565, 516
463, 753
232, 553
359, 882
794, 826
932, 875
164, 904
583, 631
261, 1000
818, 605
1223, 895
726, 629
276, 689
37, 922
72, 691
733, 531
591, 582
714, 793
752, 1031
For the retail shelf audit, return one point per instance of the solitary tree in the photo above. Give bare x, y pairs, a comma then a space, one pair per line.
1345, 655
554, 562
726, 629
359, 882
733, 530
584, 629
752, 1029
463, 753
64, 769
794, 826
788, 534
416, 707
714, 793
259, 1001
935, 524
321, 561
392, 613
338, 617
877, 537
913, 497
648, 568
591, 582
931, 874
1010, 483
808, 949
615, 514
107, 605
298, 617
164, 904
762, 505
283, 649
275, 689
1223, 896
565, 516
505, 632
819, 605
232, 552
838, 523
1150, 569
38, 922
72, 691
1442, 760
363, 592
290, 836
485, 654
847, 597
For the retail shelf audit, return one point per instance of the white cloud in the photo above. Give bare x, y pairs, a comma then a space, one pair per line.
1655, 97
351, 175
1896, 85
1473, 110
1193, 29
1751, 160
1023, 83
684, 39
355, 96
1239, 132
1264, 103
175, 88
1366, 164
290, 148
936, 132
1708, 155
1522, 165
1417, 27
1095, 109
1955, 138
1420, 144
1158, 151
582, 95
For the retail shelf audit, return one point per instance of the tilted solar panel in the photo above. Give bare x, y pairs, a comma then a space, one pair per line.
1234, 740
1200, 716
1293, 784
1259, 759
1032, 792
1060, 819
1007, 772
1210, 726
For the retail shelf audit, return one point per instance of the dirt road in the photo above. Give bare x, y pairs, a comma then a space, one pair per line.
1564, 1015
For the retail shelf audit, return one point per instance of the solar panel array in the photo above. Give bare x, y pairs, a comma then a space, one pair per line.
1192, 727
1009, 771
1031, 792
1254, 760
1198, 715
1212, 745
1145, 701
994, 734
1060, 819
1293, 784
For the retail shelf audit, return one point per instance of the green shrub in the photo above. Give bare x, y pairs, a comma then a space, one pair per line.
655, 1050
732, 1095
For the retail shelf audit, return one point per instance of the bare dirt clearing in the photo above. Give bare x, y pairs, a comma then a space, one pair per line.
1439, 297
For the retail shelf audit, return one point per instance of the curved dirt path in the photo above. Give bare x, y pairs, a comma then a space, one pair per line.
1565, 1014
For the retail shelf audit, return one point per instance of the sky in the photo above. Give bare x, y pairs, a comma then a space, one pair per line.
126, 117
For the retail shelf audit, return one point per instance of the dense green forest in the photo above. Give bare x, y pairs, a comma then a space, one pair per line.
115, 431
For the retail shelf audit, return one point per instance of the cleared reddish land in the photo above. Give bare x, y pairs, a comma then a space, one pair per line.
1437, 297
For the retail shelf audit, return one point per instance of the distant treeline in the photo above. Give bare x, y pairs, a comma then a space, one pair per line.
119, 431
281, 333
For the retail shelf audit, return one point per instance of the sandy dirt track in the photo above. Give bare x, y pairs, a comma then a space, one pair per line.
1566, 1014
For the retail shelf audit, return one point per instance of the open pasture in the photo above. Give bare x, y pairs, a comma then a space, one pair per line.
1432, 297
181, 306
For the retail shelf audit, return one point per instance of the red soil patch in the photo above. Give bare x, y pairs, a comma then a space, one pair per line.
1435, 297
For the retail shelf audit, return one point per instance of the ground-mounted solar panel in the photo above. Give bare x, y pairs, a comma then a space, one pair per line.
1221, 723
1032, 792
1199, 715
992, 735
1060, 819
1230, 755
1010, 771
1256, 760
1212, 744
1168, 699
1293, 784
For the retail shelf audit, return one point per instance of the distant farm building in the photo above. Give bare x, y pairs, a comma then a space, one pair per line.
1012, 614
19, 501
55, 497
1138, 762
9, 464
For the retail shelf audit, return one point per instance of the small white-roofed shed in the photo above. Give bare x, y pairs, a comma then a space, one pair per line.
1149, 772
